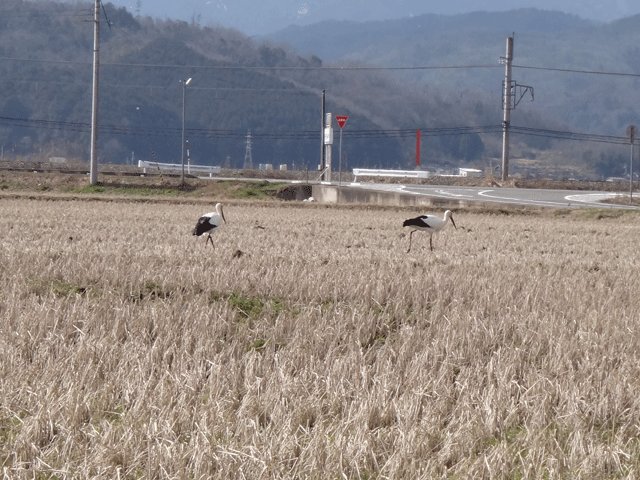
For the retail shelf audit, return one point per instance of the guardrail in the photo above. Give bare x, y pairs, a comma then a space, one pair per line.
210, 169
369, 172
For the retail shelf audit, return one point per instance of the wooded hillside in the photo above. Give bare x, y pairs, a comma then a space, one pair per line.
239, 85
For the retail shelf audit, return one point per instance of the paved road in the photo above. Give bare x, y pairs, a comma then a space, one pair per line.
512, 196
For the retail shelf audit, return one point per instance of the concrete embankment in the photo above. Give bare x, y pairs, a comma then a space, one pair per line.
349, 195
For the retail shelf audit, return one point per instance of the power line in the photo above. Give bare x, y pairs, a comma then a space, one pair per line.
319, 68
312, 134
571, 70
49, 14
301, 68
588, 137
248, 67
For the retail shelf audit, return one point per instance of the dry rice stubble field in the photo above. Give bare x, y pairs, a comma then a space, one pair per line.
309, 344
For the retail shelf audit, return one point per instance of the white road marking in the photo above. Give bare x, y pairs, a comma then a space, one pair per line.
485, 193
591, 197
449, 194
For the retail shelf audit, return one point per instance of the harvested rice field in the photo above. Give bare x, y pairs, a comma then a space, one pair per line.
309, 345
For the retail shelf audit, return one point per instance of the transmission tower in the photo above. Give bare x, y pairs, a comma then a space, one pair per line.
248, 161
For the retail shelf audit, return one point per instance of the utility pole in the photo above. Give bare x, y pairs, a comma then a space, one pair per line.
328, 141
509, 102
182, 144
322, 134
506, 102
93, 171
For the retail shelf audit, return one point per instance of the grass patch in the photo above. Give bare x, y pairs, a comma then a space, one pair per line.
153, 290
259, 345
249, 307
60, 288
602, 213
253, 307
256, 190
10, 427
100, 189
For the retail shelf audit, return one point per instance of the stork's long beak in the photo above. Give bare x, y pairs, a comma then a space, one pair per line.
222, 215
454, 223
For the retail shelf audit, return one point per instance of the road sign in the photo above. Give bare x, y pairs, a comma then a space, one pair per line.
632, 132
188, 159
341, 119
328, 136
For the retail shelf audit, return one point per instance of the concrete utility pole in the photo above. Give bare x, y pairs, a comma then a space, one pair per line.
322, 134
93, 171
506, 103
328, 141
509, 102
182, 144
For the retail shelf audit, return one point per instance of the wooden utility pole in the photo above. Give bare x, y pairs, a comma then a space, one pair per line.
93, 175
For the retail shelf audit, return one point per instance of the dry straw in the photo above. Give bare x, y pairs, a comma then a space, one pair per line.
309, 344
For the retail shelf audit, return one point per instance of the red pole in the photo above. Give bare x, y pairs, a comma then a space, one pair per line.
418, 133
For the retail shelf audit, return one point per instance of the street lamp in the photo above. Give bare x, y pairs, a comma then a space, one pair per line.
184, 94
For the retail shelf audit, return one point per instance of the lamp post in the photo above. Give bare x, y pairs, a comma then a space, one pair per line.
184, 95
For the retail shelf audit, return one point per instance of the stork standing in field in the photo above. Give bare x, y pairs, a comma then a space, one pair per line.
430, 224
208, 223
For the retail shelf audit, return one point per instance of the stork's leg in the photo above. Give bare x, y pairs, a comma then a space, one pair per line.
209, 238
431, 242
410, 240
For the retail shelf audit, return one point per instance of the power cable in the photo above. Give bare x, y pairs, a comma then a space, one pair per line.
312, 134
319, 68
539, 132
571, 70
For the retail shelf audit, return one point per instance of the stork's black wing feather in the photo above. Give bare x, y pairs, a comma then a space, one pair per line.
203, 226
420, 221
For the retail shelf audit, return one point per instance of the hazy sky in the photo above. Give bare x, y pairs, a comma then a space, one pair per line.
264, 16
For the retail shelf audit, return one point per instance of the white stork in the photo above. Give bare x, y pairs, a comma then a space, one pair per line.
209, 222
430, 224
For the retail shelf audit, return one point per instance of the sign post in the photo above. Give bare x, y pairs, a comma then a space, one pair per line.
188, 159
341, 119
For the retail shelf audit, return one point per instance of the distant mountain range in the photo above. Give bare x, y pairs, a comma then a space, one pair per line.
259, 17
334, 40
553, 52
